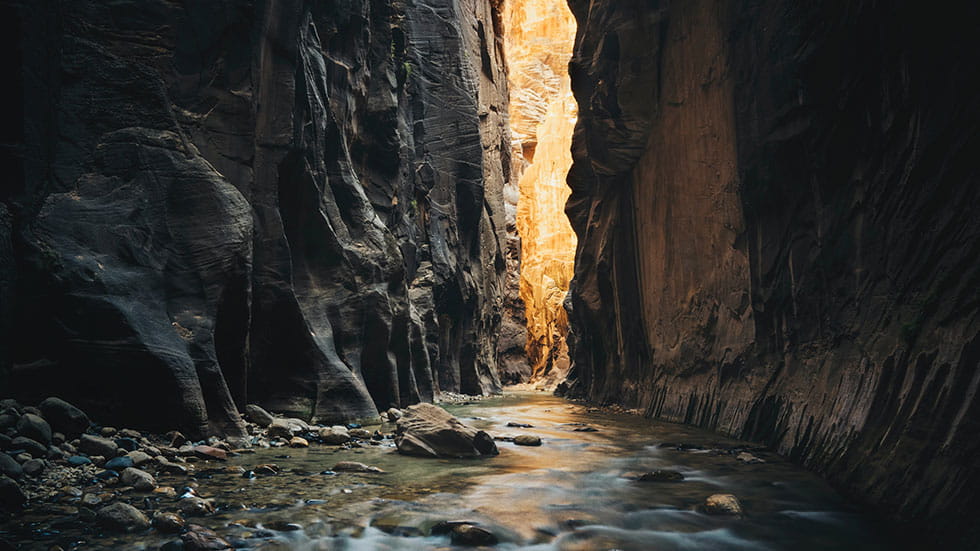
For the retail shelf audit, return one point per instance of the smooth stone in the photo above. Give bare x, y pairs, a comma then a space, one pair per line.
107, 475
279, 428
130, 433
267, 469
723, 504
335, 435
470, 535
29, 445
108, 431
258, 415
34, 427
34, 467
122, 517
360, 433
747, 457
23, 458
520, 425
8, 421
64, 417
298, 442
5, 441
166, 491
10, 467
96, 445
210, 452
12, 498
139, 458
427, 430
78, 461
394, 414
355, 467
168, 523
527, 440
119, 463
177, 439
91, 500
140, 480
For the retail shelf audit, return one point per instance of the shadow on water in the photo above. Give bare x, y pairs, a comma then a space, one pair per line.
575, 492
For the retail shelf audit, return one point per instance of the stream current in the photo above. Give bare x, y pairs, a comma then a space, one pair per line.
572, 493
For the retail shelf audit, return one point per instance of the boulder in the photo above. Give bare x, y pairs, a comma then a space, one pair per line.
12, 498
429, 431
34, 427
96, 445
122, 517
722, 504
258, 415
138, 479
64, 417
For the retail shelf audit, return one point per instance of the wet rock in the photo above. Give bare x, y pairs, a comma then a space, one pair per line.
194, 506
279, 428
12, 498
119, 463
34, 467
10, 467
35, 428
527, 440
140, 480
520, 425
122, 517
210, 452
362, 434
166, 491
167, 523
472, 535
283, 526
747, 457
586, 429
722, 504
661, 476
429, 431
298, 442
258, 415
199, 538
267, 469
29, 445
64, 417
96, 445
355, 467
335, 435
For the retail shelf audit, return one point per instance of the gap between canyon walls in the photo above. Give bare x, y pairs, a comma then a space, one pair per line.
539, 38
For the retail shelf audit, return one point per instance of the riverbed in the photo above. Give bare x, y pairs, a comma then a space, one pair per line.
577, 491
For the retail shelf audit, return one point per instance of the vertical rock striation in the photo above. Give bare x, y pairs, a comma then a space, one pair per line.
293, 203
778, 234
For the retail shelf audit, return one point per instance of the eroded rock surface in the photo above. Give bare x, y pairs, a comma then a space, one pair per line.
297, 204
778, 239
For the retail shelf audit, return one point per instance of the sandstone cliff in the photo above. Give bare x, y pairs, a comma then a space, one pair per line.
776, 206
293, 203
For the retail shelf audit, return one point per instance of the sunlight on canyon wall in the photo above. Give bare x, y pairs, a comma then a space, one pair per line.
539, 40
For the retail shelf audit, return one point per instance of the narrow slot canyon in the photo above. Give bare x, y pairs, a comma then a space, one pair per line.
495, 274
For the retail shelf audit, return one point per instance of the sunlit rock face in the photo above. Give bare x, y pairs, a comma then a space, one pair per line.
540, 37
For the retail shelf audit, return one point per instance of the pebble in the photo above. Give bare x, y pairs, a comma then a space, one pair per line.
298, 442
166, 491
122, 517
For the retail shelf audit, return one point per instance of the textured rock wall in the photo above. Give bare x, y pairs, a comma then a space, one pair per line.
539, 39
294, 203
778, 235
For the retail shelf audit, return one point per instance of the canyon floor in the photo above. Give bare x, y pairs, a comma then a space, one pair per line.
597, 481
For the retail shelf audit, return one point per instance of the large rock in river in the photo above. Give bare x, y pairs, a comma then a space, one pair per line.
430, 431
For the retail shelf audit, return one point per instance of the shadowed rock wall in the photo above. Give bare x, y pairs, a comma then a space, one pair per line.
293, 203
776, 207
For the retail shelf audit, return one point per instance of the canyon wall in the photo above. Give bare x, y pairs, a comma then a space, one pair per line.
776, 206
293, 203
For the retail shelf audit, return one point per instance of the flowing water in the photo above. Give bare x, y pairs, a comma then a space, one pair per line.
571, 493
